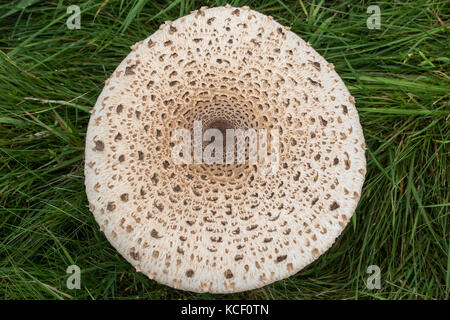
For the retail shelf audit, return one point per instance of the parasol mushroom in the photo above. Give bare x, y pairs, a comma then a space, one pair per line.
212, 227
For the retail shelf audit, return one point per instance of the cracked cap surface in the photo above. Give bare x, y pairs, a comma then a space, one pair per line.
223, 228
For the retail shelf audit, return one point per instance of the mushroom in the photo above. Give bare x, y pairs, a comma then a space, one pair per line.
223, 228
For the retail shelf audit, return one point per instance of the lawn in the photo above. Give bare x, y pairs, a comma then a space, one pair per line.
50, 77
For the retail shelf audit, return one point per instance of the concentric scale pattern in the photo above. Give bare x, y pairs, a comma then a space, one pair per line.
223, 228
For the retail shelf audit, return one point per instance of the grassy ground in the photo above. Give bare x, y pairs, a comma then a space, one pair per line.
50, 77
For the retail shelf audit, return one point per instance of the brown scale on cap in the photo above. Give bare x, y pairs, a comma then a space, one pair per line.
223, 227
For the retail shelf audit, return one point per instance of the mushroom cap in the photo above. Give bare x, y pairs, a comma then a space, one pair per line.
223, 228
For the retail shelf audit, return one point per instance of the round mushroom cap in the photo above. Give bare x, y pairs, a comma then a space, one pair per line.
223, 228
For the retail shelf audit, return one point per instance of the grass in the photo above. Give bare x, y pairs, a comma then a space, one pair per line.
50, 77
